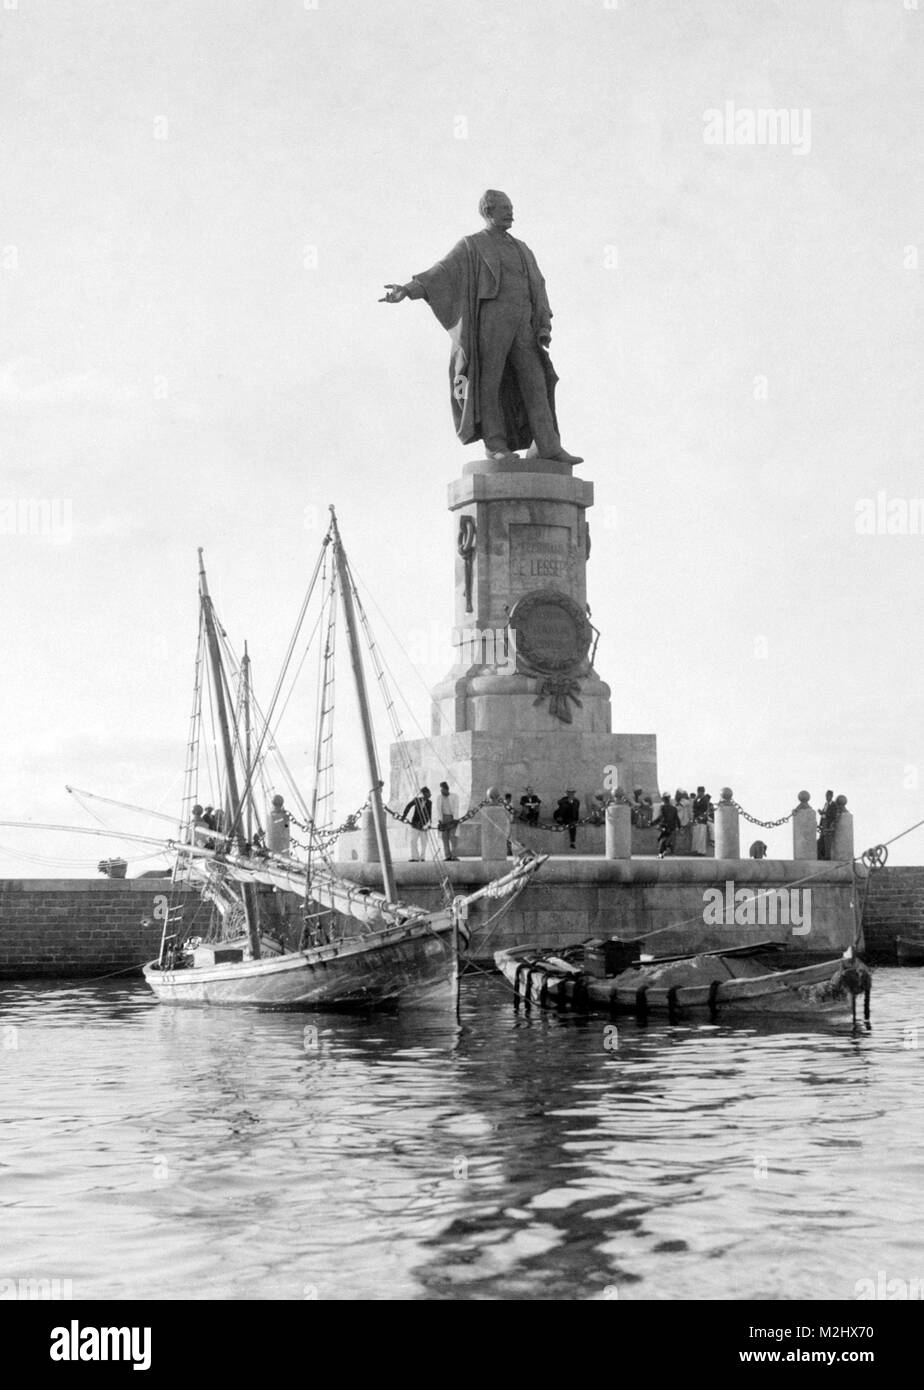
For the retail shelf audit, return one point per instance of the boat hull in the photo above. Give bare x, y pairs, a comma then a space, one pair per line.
810, 990
394, 969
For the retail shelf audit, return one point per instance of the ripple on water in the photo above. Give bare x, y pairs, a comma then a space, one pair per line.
166, 1153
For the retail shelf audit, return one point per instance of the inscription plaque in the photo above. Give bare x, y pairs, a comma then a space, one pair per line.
541, 554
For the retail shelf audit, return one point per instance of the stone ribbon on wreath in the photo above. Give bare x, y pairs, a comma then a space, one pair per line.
553, 636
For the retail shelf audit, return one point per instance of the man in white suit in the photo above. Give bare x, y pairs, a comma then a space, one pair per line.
446, 811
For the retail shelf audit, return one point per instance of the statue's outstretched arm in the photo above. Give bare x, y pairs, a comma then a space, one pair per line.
412, 290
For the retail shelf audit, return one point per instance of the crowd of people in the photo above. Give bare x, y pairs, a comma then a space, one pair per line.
209, 827
679, 819
422, 814
685, 823
672, 816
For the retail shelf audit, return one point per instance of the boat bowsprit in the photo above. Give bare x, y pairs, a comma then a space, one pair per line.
743, 980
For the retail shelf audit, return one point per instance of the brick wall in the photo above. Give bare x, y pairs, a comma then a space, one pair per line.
895, 905
82, 927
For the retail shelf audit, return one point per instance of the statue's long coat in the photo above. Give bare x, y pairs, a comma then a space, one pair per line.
455, 288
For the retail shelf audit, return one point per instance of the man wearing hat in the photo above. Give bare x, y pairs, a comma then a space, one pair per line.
420, 810
568, 813
827, 819
529, 807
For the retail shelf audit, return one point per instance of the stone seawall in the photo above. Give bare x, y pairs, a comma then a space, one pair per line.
72, 928
679, 905
75, 928
894, 906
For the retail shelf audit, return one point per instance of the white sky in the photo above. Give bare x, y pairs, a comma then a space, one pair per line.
173, 373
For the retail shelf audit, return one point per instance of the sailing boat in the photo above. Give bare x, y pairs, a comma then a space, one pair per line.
358, 948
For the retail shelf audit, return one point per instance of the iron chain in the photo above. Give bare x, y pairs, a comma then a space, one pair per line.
765, 824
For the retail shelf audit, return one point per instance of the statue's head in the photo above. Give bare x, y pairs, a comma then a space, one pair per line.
496, 208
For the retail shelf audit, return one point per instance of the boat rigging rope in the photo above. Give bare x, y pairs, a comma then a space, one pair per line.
769, 893
323, 789
268, 718
379, 665
212, 772
425, 737
486, 927
56, 862
194, 735
80, 802
874, 854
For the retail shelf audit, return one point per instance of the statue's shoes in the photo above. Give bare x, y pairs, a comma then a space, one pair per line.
501, 455
560, 456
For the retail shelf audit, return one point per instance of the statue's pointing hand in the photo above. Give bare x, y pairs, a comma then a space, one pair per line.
395, 294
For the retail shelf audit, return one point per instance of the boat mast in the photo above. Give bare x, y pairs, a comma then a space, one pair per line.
234, 799
245, 681
378, 810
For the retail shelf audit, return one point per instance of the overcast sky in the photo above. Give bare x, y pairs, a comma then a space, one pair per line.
200, 205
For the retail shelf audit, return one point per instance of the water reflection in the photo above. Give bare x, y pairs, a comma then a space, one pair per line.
158, 1152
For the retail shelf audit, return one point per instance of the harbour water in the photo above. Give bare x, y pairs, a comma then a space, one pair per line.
159, 1153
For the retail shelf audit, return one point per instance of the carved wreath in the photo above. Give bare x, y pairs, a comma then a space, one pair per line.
540, 656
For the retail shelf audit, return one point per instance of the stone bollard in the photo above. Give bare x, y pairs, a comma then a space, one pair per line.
804, 830
842, 844
368, 844
619, 830
495, 832
727, 838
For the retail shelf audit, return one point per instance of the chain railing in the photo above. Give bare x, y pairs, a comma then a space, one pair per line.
764, 824
323, 839
459, 820
594, 818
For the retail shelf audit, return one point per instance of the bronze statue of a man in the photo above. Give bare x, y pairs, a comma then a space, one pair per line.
489, 294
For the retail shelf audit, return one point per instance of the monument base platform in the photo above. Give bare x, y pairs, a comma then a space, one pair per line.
550, 762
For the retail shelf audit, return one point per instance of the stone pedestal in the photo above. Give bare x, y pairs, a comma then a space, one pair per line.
619, 830
842, 847
522, 704
368, 843
727, 837
495, 829
804, 831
